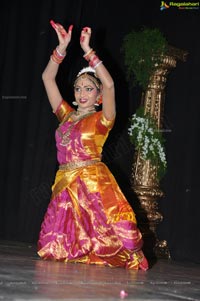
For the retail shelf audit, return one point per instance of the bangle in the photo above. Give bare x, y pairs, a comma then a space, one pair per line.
56, 57
87, 52
59, 53
99, 63
95, 61
53, 59
92, 58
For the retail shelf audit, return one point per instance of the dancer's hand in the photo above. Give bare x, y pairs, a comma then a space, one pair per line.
85, 39
64, 37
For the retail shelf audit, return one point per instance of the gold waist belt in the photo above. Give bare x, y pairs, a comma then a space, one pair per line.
78, 164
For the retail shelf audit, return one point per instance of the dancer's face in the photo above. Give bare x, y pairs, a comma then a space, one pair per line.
85, 93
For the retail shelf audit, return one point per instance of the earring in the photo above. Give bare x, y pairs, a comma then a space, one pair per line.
99, 100
74, 103
96, 104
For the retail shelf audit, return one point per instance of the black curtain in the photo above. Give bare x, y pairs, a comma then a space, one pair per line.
28, 154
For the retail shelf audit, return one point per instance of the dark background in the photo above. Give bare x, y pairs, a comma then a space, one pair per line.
28, 154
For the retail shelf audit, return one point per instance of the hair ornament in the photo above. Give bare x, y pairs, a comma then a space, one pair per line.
90, 73
86, 70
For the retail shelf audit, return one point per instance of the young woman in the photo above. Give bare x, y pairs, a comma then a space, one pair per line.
88, 219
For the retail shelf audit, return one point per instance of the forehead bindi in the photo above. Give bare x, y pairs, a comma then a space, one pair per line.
85, 82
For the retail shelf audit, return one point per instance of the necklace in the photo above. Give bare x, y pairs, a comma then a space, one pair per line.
79, 112
66, 136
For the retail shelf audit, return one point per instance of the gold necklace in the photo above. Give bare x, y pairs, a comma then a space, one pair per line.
66, 136
78, 112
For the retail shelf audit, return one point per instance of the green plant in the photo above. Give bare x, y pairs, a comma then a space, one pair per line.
142, 50
148, 140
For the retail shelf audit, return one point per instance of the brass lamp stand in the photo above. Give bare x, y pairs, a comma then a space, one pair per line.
145, 182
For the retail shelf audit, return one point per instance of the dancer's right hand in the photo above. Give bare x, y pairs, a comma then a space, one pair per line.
64, 37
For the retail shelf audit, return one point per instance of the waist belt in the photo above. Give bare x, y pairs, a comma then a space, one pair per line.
78, 164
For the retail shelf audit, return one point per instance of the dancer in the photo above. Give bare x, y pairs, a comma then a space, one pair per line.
88, 219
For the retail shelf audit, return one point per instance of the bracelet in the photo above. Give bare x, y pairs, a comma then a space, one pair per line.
89, 54
99, 63
59, 53
56, 57
95, 61
53, 59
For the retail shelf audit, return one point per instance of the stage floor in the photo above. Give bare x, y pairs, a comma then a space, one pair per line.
24, 276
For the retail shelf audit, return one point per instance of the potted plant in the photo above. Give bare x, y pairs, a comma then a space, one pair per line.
148, 59
143, 52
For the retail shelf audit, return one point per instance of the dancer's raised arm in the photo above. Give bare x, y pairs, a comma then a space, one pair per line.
50, 72
107, 89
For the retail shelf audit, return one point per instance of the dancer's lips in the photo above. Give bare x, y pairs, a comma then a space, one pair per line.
82, 100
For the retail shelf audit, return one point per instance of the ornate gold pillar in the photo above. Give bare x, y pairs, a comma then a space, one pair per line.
144, 175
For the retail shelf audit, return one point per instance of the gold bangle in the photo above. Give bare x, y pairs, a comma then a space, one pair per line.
86, 54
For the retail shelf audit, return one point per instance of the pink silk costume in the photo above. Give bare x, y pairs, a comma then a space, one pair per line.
88, 219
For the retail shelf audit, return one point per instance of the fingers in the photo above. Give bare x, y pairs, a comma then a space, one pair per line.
53, 24
60, 29
82, 38
70, 28
86, 31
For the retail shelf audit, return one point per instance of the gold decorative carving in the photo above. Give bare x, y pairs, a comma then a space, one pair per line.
145, 182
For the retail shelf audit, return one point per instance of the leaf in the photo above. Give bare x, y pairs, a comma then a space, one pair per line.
142, 50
